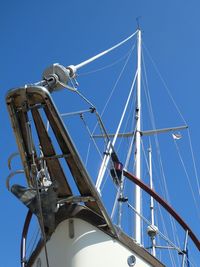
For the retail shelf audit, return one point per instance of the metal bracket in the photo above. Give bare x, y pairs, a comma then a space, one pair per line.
57, 77
11, 158
76, 199
10, 176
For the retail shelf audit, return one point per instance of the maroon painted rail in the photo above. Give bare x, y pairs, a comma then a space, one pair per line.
165, 205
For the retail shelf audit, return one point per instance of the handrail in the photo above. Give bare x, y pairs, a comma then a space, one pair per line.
24, 236
165, 205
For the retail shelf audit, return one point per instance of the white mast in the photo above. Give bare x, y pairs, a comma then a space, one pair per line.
138, 143
152, 205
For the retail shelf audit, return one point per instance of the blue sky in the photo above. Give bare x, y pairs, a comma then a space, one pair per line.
35, 34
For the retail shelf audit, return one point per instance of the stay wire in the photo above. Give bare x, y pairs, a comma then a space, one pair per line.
109, 65
193, 160
33, 241
90, 134
188, 178
80, 65
165, 85
41, 219
149, 104
117, 81
149, 223
122, 187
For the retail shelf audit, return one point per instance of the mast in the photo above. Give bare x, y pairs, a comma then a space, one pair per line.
138, 142
153, 229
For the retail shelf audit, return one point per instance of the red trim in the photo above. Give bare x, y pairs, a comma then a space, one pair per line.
165, 205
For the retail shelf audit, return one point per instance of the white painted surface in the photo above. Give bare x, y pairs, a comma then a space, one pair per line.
90, 247
138, 144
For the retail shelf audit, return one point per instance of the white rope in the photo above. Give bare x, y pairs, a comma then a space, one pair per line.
80, 65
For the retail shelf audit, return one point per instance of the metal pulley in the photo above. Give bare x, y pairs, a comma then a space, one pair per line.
58, 77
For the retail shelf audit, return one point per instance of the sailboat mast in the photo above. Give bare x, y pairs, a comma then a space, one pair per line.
138, 142
151, 185
152, 201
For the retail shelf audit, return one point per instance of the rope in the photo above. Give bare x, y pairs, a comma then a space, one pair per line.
80, 65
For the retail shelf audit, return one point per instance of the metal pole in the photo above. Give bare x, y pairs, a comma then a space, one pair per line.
151, 201
137, 143
185, 248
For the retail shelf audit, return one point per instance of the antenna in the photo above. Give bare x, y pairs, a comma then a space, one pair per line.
138, 22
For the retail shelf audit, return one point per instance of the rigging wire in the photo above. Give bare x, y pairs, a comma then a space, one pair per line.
126, 126
121, 189
149, 223
163, 223
90, 134
109, 65
112, 91
116, 83
80, 65
122, 186
41, 220
152, 119
163, 236
175, 237
110, 148
87, 155
193, 160
165, 84
33, 241
188, 178
149, 103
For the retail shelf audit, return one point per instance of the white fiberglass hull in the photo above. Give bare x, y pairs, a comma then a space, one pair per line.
77, 243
